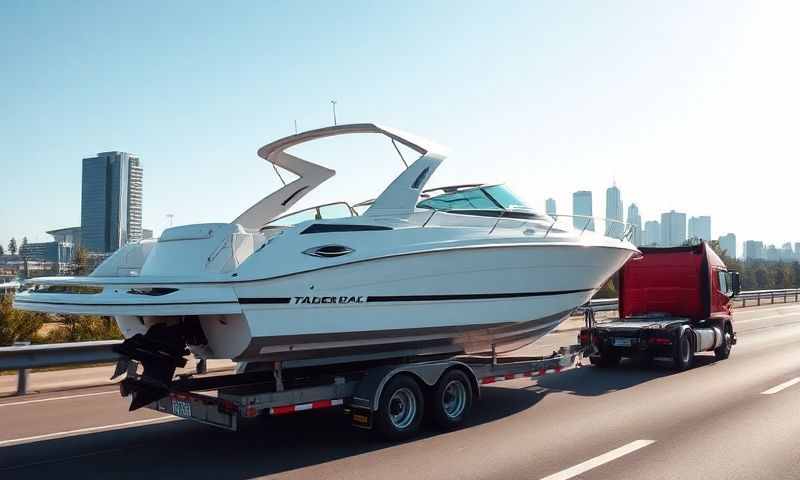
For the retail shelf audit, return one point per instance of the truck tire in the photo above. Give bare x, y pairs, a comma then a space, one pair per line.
605, 359
683, 352
401, 408
724, 351
451, 400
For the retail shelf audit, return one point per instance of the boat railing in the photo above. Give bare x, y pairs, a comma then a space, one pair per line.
615, 229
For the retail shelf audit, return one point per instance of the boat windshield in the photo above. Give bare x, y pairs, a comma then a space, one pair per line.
320, 212
495, 197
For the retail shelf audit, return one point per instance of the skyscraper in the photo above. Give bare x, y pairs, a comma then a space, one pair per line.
636, 220
673, 228
581, 208
614, 212
550, 206
700, 227
111, 201
753, 250
652, 233
728, 244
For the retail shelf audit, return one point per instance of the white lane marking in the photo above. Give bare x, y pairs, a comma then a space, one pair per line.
600, 460
66, 397
86, 430
782, 386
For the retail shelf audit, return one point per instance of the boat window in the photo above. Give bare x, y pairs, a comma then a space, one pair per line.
336, 210
321, 212
505, 197
497, 197
475, 199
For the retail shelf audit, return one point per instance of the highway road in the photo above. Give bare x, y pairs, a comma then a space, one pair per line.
736, 419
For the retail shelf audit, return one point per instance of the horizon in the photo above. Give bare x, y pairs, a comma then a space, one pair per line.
678, 105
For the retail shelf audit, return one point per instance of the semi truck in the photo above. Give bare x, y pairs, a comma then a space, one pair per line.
673, 303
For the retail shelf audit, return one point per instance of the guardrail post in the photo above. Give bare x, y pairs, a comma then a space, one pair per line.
784, 296
772, 298
758, 296
22, 373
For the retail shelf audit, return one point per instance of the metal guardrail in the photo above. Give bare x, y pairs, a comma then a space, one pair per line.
23, 357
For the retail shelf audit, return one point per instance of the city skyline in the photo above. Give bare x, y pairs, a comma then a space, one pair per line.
522, 114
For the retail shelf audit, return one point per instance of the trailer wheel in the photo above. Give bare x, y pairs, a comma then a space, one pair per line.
452, 399
683, 354
401, 408
724, 350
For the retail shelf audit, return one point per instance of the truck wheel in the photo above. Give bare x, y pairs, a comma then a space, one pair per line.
452, 399
683, 354
724, 351
401, 408
605, 359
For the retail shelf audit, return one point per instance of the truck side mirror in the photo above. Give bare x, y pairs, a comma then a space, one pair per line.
736, 286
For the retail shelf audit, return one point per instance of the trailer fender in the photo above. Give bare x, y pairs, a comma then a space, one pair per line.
368, 392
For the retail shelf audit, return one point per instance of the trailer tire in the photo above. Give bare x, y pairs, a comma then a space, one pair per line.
401, 408
724, 350
451, 400
683, 352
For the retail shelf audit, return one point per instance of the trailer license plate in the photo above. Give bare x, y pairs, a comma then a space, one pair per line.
623, 342
181, 408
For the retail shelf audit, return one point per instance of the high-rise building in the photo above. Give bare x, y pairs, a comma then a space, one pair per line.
635, 220
753, 250
652, 233
111, 201
550, 206
700, 227
582, 209
728, 244
673, 228
786, 254
797, 251
614, 226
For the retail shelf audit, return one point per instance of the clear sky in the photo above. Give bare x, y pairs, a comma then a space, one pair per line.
688, 105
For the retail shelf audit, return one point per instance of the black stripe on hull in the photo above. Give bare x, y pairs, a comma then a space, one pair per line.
423, 298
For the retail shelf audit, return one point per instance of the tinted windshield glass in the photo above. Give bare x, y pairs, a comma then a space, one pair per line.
505, 197
497, 197
475, 199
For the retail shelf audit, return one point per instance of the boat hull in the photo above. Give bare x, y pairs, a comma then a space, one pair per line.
459, 301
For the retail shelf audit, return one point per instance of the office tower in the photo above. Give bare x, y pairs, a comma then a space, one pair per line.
582, 209
652, 233
614, 227
753, 250
111, 201
673, 228
728, 244
700, 227
550, 206
635, 220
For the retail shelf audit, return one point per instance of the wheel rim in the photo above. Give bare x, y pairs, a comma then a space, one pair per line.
727, 342
454, 399
685, 349
402, 408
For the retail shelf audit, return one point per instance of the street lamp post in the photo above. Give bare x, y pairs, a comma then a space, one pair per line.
333, 105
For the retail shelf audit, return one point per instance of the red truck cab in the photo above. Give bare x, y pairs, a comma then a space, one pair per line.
673, 302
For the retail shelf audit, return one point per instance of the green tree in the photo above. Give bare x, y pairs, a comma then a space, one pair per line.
12, 246
84, 328
761, 278
2, 251
81, 261
17, 325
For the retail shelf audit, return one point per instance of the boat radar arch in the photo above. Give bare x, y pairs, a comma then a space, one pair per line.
399, 197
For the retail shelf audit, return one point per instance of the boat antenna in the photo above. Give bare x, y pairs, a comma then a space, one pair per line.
399, 153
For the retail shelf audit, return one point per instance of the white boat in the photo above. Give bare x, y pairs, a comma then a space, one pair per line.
464, 269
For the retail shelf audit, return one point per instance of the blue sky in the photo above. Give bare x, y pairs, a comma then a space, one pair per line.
687, 105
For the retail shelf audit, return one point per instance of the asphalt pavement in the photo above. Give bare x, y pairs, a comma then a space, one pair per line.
735, 419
